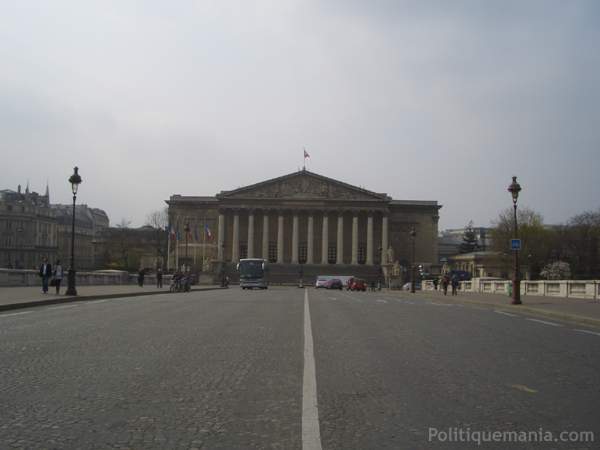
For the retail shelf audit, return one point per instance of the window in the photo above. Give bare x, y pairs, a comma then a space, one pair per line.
243, 251
332, 255
273, 253
7, 240
8, 224
302, 253
9, 208
361, 255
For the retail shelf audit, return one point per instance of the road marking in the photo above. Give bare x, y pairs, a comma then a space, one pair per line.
15, 314
523, 388
382, 301
97, 301
311, 437
432, 303
66, 306
410, 303
331, 298
547, 323
475, 307
505, 313
590, 332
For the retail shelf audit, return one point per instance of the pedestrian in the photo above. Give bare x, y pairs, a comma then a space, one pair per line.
435, 283
58, 274
454, 283
445, 284
141, 275
45, 274
159, 278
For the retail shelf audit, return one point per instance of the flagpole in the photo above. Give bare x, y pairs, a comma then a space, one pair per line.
204, 243
195, 236
177, 247
169, 251
304, 148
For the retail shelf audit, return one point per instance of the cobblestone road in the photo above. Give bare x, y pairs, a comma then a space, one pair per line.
223, 369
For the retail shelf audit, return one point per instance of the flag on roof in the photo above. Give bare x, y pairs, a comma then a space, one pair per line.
207, 231
306, 155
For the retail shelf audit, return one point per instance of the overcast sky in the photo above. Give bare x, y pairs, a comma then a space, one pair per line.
422, 100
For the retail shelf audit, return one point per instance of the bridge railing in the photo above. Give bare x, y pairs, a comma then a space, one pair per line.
15, 278
550, 288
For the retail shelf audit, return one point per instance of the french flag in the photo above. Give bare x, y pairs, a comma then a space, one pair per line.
306, 155
207, 231
171, 230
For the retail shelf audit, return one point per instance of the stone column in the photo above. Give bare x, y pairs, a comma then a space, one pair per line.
325, 244
280, 237
221, 234
369, 237
265, 243
340, 237
384, 237
295, 237
236, 236
251, 233
354, 237
310, 237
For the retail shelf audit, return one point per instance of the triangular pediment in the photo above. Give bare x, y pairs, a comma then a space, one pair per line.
303, 185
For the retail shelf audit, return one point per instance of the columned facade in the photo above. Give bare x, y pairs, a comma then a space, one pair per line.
310, 218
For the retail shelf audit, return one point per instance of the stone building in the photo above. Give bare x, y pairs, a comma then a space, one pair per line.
28, 228
332, 227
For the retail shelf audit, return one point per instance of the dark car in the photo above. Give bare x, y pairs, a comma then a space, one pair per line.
335, 284
359, 285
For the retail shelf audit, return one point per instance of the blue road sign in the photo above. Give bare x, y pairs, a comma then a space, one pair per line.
515, 244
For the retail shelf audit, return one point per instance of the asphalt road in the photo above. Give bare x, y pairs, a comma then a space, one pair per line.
225, 369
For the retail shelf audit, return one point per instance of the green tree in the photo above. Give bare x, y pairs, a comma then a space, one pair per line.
580, 238
538, 243
469, 243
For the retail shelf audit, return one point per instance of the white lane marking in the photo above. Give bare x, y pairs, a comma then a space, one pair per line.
590, 332
432, 303
97, 301
547, 323
311, 437
331, 298
410, 303
15, 314
505, 313
60, 307
383, 301
358, 300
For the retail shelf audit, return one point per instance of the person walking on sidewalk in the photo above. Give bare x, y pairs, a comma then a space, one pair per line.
445, 284
454, 284
158, 278
45, 274
141, 276
58, 274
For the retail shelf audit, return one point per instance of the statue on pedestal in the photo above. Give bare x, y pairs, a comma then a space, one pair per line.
396, 269
390, 254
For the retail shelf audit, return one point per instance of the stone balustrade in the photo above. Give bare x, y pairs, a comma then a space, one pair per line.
550, 288
15, 278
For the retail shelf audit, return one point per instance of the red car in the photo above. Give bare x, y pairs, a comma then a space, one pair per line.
358, 285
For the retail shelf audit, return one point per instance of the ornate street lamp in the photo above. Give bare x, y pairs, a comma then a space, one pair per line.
514, 189
186, 229
75, 181
413, 235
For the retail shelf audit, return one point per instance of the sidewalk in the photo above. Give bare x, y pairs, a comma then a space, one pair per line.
30, 296
585, 311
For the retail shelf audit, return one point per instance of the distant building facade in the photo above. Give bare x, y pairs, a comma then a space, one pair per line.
310, 218
28, 227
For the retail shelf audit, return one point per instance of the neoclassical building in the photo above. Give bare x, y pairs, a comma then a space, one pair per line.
314, 219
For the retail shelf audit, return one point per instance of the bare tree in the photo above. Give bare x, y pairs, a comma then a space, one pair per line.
580, 239
124, 242
158, 236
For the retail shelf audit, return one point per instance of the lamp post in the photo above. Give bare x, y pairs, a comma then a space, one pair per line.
413, 234
514, 189
223, 266
186, 229
75, 181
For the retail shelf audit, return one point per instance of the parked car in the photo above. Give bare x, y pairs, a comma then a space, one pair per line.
350, 281
335, 284
359, 285
321, 284
418, 287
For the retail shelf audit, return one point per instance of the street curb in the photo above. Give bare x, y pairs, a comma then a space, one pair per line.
83, 298
518, 308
